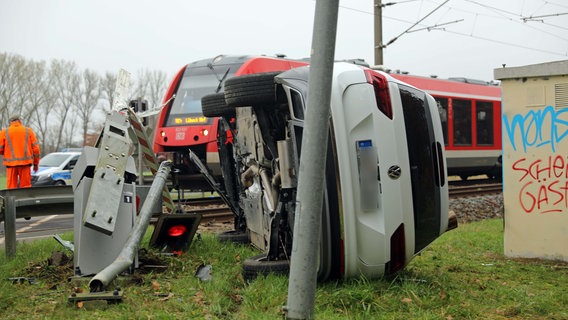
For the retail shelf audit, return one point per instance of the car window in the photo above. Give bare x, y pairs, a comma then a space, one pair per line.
71, 163
53, 159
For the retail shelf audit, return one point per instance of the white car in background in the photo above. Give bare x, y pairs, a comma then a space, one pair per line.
55, 169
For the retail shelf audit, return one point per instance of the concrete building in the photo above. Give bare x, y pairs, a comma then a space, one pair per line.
535, 159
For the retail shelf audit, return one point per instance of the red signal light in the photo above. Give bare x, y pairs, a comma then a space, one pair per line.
173, 233
177, 230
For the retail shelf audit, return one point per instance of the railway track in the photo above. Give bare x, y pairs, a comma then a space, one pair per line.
475, 190
211, 209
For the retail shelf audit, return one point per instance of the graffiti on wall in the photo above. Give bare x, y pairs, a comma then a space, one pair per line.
543, 176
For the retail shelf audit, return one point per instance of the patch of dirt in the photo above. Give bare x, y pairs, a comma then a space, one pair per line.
215, 227
53, 271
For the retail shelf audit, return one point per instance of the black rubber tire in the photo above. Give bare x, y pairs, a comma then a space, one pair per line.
258, 265
250, 89
234, 236
214, 105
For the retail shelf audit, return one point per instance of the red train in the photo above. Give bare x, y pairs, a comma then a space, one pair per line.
181, 124
470, 114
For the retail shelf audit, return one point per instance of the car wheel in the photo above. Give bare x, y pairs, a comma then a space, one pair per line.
259, 265
214, 105
234, 236
250, 90
59, 183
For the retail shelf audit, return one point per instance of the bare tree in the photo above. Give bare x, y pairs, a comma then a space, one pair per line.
13, 75
88, 99
65, 81
108, 86
41, 101
58, 99
70, 131
151, 86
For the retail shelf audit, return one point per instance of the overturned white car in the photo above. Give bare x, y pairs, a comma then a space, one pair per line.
386, 194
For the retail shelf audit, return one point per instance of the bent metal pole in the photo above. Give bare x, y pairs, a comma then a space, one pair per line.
126, 256
303, 265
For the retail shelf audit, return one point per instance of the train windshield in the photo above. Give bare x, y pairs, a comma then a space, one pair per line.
196, 83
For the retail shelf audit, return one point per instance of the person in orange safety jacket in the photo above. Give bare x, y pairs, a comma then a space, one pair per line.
19, 146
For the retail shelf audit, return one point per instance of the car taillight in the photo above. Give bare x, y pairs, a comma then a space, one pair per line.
397, 250
381, 87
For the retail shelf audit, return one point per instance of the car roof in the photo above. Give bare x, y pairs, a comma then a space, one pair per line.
65, 152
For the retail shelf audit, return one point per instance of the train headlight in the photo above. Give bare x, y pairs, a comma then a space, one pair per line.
205, 132
162, 133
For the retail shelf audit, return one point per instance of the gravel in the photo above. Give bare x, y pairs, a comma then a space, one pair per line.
477, 208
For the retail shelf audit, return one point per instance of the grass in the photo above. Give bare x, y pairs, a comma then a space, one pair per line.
462, 275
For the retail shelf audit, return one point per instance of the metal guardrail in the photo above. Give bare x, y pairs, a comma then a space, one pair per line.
31, 202
43, 201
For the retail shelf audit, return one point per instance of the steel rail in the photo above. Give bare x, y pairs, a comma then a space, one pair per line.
475, 190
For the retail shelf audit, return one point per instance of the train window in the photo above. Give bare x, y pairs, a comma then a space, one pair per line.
443, 112
196, 82
484, 110
462, 122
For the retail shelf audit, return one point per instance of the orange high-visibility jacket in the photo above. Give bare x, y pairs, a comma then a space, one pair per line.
19, 146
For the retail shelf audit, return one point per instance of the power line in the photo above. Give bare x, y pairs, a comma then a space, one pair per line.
507, 43
416, 23
521, 17
500, 12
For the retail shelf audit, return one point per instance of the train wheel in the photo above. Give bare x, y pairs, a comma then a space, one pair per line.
250, 89
214, 105
258, 265
464, 177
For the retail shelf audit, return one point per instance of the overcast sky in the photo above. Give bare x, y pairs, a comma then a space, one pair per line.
106, 35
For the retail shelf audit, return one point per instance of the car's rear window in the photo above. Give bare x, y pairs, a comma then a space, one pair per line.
420, 139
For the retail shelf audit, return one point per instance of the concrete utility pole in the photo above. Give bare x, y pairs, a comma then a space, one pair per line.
304, 262
378, 32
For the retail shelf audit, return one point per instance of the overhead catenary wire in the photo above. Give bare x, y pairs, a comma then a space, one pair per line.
518, 17
416, 23
499, 14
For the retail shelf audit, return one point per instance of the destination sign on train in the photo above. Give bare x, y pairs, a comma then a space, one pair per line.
190, 120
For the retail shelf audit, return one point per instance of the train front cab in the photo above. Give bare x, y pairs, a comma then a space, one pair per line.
392, 175
181, 124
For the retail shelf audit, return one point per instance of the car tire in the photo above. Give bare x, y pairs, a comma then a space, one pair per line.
214, 105
250, 90
59, 183
234, 236
259, 265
